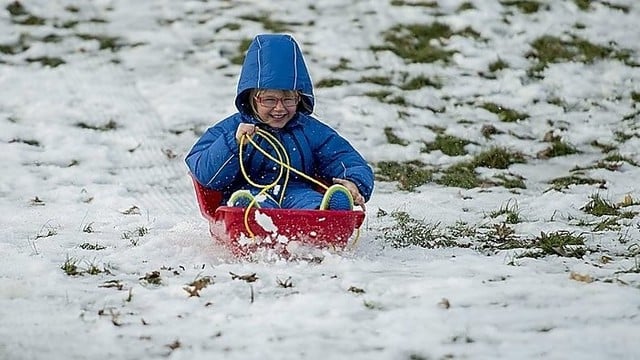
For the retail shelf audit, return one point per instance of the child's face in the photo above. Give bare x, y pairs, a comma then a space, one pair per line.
276, 107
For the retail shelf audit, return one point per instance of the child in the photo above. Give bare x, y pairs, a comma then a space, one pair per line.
275, 101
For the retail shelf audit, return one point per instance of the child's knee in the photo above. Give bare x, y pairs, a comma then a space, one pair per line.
308, 199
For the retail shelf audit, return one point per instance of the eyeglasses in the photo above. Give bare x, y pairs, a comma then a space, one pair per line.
271, 102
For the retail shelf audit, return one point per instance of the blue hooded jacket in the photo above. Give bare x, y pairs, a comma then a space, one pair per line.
274, 61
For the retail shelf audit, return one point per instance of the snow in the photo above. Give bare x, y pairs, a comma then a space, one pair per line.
120, 200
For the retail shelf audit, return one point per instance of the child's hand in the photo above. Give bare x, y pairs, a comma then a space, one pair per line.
245, 129
358, 199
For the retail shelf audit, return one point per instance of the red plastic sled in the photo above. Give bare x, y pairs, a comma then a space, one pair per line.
275, 228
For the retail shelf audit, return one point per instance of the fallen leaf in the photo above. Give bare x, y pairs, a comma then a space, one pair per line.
580, 277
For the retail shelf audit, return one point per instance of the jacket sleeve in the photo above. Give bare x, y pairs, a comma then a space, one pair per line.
213, 159
337, 158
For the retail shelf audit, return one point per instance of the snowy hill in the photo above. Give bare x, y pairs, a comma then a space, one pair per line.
505, 223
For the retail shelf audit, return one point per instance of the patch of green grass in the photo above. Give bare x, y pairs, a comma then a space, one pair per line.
19, 46
549, 49
631, 116
557, 148
462, 230
469, 33
378, 80
598, 206
574, 179
229, 26
98, 20
504, 114
108, 126
93, 269
559, 102
497, 158
105, 42
625, 9
579, 26
416, 42
70, 267
152, 278
608, 224
243, 46
436, 129
384, 96
583, 4
510, 213
16, 9
51, 38
420, 82
622, 136
430, 4
498, 65
562, 243
465, 6
511, 181
409, 175
327, 83
448, 144
605, 148
69, 24
20, 15
29, 142
393, 138
403, 114
397, 100
379, 95
89, 246
269, 24
501, 237
462, 175
72, 9
489, 130
601, 164
408, 231
10, 49
617, 157
47, 61
343, 64
525, 6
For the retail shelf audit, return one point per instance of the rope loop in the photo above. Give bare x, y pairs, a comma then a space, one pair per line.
282, 159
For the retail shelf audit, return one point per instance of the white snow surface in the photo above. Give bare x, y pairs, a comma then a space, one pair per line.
66, 189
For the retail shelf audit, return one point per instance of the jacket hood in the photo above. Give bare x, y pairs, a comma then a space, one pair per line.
274, 61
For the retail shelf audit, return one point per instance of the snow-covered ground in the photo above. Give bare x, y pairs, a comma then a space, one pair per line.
93, 176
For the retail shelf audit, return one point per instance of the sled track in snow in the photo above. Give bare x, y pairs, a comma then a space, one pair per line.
159, 183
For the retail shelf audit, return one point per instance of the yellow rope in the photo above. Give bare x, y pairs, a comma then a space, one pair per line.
355, 241
264, 188
273, 139
284, 162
